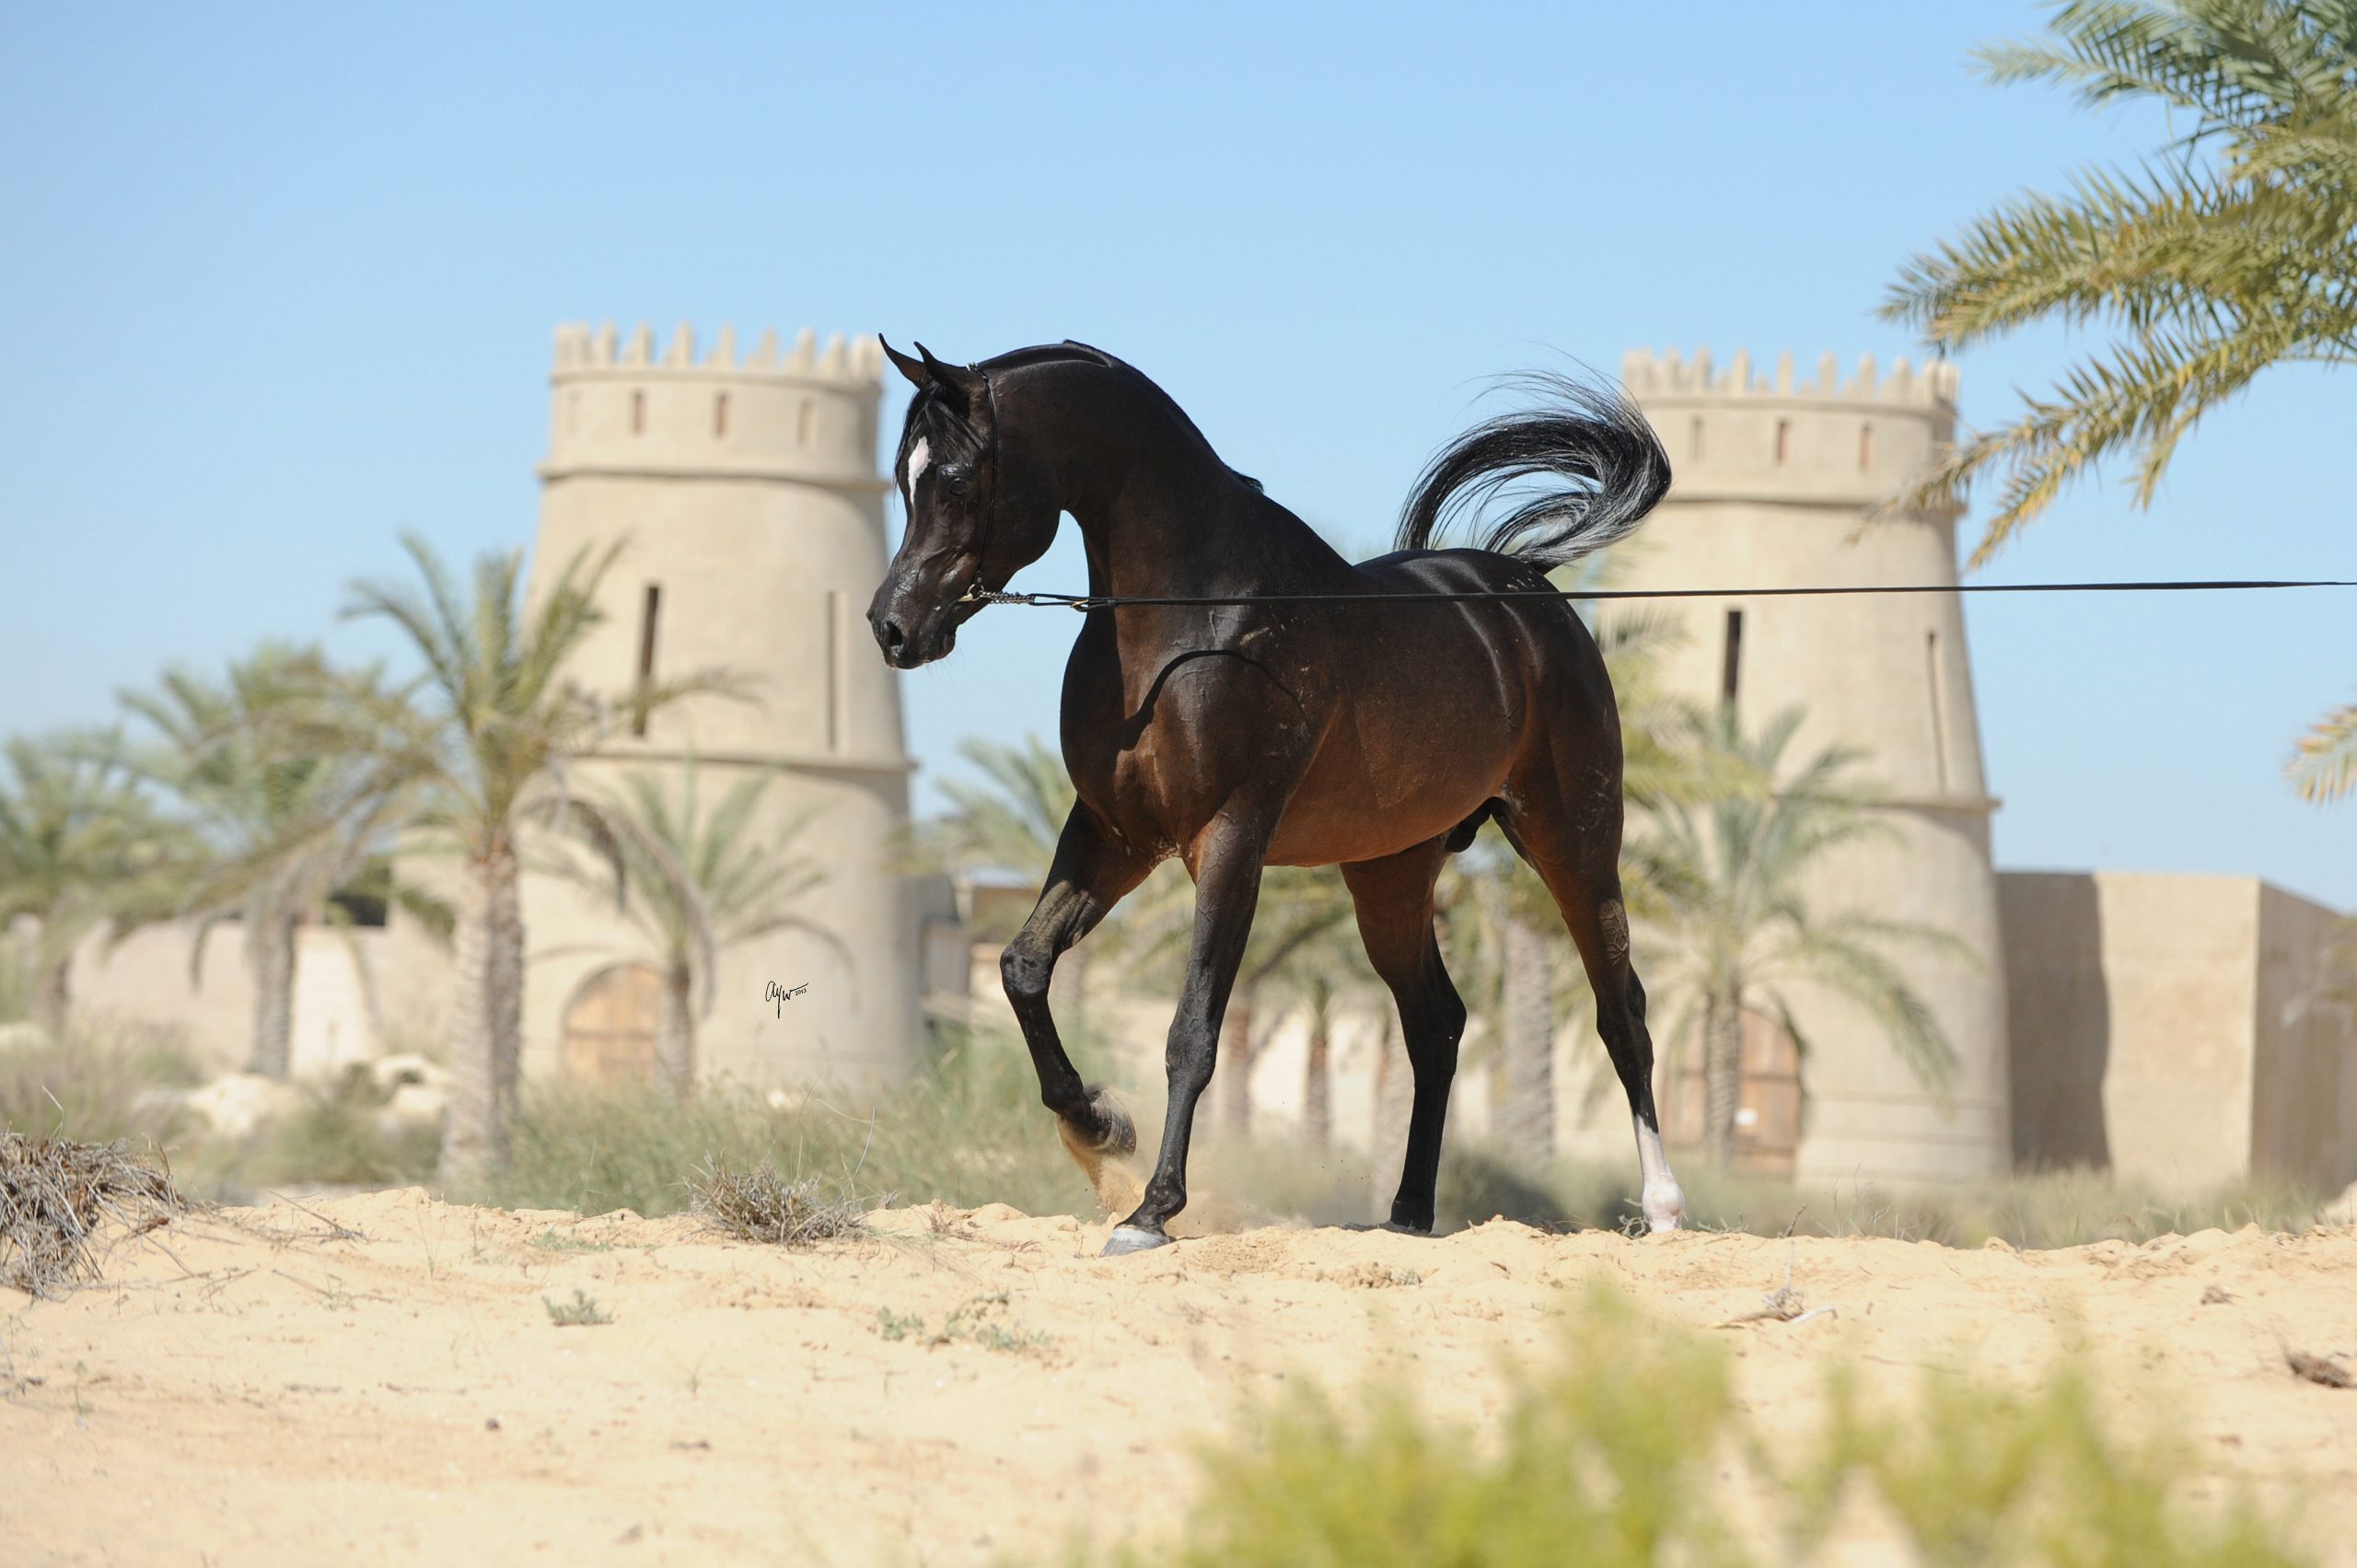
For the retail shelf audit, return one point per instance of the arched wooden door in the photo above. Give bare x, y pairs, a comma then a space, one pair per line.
610, 1026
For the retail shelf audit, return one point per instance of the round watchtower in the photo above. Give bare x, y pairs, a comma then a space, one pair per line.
745, 491
1774, 481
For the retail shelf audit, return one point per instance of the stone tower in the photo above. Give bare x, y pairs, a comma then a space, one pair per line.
746, 490
1773, 481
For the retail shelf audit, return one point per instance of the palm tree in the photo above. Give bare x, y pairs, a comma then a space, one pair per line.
285, 822
1006, 824
81, 849
2232, 250
2324, 767
1324, 975
485, 747
739, 886
1301, 908
1731, 927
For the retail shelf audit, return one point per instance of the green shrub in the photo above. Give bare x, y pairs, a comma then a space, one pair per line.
1619, 1453
336, 1140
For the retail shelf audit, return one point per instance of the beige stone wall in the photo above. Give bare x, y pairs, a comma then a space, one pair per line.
1774, 478
343, 982
2304, 1091
746, 490
2172, 1028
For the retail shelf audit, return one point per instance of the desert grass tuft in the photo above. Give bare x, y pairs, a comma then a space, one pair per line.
96, 1085
2024, 1209
757, 1204
56, 1194
581, 1312
968, 1130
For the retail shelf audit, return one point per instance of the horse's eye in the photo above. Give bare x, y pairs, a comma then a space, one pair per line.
956, 481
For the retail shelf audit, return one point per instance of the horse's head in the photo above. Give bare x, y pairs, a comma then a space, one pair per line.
978, 511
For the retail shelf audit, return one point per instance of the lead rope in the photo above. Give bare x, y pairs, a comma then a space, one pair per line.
1085, 602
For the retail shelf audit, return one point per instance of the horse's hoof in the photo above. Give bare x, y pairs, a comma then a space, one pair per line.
1121, 1139
1132, 1238
1664, 1210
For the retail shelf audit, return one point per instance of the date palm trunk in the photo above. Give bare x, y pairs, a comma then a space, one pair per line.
1234, 1065
1528, 1040
1722, 1073
505, 992
675, 1030
52, 994
486, 1014
273, 965
1395, 1098
1317, 1091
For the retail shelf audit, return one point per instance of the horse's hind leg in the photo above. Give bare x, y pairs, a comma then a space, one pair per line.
1091, 873
1581, 869
1394, 899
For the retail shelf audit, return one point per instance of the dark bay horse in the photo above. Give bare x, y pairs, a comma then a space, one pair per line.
1378, 736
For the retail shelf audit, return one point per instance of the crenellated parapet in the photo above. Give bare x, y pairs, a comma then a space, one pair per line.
582, 347
624, 405
1903, 386
1827, 438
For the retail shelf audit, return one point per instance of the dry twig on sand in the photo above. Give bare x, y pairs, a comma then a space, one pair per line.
2324, 1369
54, 1195
760, 1205
1786, 1304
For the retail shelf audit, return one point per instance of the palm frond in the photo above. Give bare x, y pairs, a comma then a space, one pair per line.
2233, 250
2324, 764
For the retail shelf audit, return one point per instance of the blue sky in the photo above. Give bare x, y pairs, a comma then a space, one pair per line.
279, 282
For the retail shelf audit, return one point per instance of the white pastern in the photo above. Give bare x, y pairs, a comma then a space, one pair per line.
1665, 1201
919, 455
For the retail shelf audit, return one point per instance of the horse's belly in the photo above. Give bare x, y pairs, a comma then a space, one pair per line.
1365, 802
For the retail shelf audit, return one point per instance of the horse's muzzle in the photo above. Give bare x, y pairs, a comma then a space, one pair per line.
909, 640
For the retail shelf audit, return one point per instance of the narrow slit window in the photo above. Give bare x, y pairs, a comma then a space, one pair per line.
1731, 671
804, 421
1784, 439
1939, 707
1694, 439
638, 413
1865, 448
654, 607
720, 414
838, 699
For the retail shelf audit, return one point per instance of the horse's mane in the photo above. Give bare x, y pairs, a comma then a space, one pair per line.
1065, 353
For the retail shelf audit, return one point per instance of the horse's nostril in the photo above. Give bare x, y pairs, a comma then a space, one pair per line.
894, 634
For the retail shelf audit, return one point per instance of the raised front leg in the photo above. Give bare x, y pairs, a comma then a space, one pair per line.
1092, 871
1228, 889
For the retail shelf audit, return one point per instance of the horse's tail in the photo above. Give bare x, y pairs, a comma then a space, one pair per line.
1588, 433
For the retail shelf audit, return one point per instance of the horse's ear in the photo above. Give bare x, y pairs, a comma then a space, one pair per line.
911, 369
963, 379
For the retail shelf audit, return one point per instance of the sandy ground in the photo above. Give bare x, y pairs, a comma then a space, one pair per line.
377, 1379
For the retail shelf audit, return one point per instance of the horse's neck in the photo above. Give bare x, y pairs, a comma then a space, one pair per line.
1160, 514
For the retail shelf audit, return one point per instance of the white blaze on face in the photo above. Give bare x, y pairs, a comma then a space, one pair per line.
919, 456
